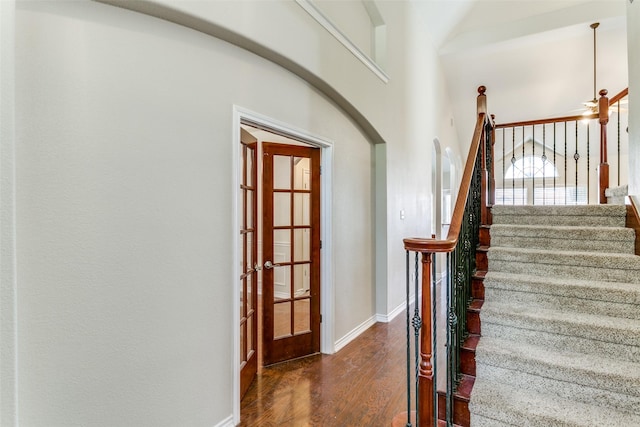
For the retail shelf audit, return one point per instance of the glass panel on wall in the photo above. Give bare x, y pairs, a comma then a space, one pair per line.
249, 252
249, 177
301, 173
302, 244
281, 246
243, 286
281, 209
282, 172
282, 282
249, 208
249, 299
301, 209
249, 336
302, 316
301, 279
282, 319
243, 342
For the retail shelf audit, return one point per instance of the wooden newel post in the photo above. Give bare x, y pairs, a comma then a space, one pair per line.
603, 118
482, 100
425, 371
484, 151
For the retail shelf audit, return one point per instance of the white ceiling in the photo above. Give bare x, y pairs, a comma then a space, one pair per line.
534, 56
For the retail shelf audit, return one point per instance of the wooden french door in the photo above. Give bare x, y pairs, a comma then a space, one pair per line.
291, 252
248, 277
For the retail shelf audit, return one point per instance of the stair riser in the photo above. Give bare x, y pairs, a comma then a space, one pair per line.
568, 271
569, 304
565, 244
511, 417
624, 385
558, 342
563, 389
480, 421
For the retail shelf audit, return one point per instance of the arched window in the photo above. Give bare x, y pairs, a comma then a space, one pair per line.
531, 167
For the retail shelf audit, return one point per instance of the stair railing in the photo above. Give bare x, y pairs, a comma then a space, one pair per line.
549, 161
472, 208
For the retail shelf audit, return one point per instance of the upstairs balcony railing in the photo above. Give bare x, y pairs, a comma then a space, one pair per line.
563, 160
427, 399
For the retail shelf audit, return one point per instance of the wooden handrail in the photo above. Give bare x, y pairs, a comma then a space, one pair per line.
421, 244
612, 101
624, 92
448, 244
550, 120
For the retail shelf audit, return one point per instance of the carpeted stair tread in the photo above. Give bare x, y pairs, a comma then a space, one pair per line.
525, 408
585, 325
578, 264
584, 369
559, 210
565, 389
576, 258
559, 296
609, 239
618, 292
586, 215
552, 340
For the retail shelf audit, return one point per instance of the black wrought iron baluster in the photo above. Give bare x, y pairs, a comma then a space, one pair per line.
533, 156
588, 161
489, 164
513, 164
408, 314
451, 324
554, 163
565, 163
417, 324
503, 165
618, 120
434, 311
576, 157
523, 191
544, 164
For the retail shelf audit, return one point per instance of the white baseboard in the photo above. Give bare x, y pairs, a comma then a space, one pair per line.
354, 333
386, 318
227, 422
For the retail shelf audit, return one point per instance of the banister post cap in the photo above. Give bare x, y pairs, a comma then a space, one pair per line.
603, 92
482, 100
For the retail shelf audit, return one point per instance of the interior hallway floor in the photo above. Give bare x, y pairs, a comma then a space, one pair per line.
364, 384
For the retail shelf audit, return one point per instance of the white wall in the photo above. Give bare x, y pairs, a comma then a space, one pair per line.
633, 46
124, 169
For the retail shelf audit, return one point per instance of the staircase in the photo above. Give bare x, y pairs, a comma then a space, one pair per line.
560, 339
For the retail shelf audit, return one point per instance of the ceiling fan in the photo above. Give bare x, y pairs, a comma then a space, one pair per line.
591, 106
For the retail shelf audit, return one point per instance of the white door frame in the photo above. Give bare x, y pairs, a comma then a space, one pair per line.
327, 342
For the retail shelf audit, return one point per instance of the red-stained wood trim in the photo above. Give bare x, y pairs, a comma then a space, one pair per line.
603, 118
612, 101
633, 220
425, 371
461, 415
549, 120
624, 92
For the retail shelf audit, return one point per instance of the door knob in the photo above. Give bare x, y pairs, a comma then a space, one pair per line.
269, 265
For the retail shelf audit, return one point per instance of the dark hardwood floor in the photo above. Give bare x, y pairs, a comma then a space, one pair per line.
364, 384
